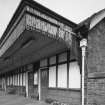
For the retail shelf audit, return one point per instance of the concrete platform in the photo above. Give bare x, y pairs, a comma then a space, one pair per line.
18, 100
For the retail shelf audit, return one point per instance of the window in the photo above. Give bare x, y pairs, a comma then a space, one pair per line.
63, 57
13, 80
35, 78
24, 79
52, 76
43, 63
74, 75
62, 76
20, 79
53, 60
16, 79
10, 80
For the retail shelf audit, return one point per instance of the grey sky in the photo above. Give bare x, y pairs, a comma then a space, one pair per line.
74, 10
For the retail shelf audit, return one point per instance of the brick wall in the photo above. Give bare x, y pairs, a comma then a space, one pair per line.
71, 97
20, 90
96, 65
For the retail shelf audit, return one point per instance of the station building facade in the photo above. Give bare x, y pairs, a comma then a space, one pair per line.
41, 56
35, 60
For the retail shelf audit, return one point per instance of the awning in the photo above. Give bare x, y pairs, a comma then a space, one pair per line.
33, 36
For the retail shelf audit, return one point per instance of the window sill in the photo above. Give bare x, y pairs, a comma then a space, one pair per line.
65, 89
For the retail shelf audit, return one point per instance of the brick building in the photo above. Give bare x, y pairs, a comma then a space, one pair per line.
45, 56
95, 61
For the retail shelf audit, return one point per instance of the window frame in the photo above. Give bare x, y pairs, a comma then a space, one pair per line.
55, 76
58, 76
67, 62
36, 72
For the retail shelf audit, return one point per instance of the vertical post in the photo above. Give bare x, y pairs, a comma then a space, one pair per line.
83, 45
26, 84
39, 84
2, 83
5, 85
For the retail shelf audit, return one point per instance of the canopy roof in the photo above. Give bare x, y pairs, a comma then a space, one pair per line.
33, 33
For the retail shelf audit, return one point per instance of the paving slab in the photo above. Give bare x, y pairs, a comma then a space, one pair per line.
18, 100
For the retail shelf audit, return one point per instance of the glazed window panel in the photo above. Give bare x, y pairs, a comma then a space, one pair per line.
24, 79
10, 80
74, 75
7, 80
35, 78
15, 79
52, 76
20, 79
62, 76
43, 63
52, 60
62, 57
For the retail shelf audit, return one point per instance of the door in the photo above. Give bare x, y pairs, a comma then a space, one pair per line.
30, 84
36, 94
44, 83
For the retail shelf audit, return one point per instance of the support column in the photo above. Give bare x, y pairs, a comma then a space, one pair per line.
39, 84
5, 84
26, 84
2, 83
83, 45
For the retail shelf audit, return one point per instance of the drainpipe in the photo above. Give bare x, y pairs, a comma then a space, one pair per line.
83, 45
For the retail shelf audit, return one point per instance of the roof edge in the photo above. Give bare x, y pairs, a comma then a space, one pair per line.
39, 7
89, 23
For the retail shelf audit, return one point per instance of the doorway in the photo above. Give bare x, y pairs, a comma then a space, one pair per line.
30, 84
44, 83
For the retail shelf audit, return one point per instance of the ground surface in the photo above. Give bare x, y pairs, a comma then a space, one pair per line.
18, 100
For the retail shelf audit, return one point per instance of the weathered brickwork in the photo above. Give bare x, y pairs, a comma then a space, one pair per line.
20, 90
66, 96
96, 65
96, 50
96, 92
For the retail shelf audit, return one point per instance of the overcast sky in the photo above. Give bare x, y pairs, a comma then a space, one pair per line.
74, 10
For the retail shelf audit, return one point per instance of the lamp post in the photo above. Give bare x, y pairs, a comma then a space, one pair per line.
83, 45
